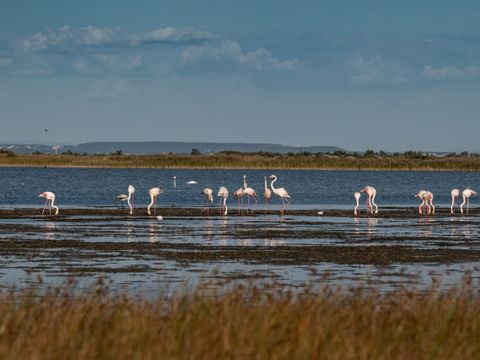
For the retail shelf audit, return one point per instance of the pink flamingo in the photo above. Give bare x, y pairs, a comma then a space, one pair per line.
238, 195
131, 195
427, 201
454, 194
153, 192
267, 193
223, 192
371, 193
466, 198
249, 192
209, 198
356, 195
50, 201
280, 192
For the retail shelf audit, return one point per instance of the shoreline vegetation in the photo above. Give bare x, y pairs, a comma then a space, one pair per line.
241, 323
338, 160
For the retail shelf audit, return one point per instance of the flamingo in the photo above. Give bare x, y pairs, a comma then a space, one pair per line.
131, 195
238, 195
454, 194
50, 201
209, 197
357, 200
122, 198
223, 192
427, 201
466, 198
267, 193
153, 192
280, 192
249, 192
371, 193
174, 182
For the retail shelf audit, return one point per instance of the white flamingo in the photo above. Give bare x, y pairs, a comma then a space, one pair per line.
50, 201
223, 193
267, 193
238, 195
130, 198
356, 195
454, 194
466, 198
153, 192
208, 193
280, 192
250, 193
371, 194
427, 201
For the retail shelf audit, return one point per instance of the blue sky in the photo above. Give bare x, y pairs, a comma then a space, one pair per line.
356, 74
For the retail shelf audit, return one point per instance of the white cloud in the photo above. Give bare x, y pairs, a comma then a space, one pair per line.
260, 59
450, 72
184, 35
95, 36
37, 41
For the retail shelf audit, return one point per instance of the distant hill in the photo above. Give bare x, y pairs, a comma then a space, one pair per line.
161, 147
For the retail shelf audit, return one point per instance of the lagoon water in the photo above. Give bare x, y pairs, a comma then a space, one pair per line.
309, 189
312, 188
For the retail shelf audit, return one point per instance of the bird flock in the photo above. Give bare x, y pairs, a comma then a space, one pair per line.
426, 197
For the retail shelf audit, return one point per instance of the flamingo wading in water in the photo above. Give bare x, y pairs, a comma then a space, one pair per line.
250, 193
371, 194
267, 193
427, 202
50, 201
280, 192
153, 192
356, 195
466, 198
223, 193
454, 194
131, 195
208, 193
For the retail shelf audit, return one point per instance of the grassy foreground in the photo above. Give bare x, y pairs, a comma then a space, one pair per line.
250, 161
242, 324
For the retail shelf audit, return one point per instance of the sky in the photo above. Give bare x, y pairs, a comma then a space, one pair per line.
380, 75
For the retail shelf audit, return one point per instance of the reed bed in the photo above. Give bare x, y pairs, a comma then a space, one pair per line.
247, 161
241, 324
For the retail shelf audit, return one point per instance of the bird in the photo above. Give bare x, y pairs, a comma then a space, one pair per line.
238, 195
371, 193
356, 195
174, 182
153, 192
280, 192
130, 198
192, 182
121, 198
454, 194
466, 198
267, 193
50, 200
209, 198
427, 201
223, 192
249, 192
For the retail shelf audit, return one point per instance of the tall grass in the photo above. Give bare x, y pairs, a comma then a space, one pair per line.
241, 324
246, 160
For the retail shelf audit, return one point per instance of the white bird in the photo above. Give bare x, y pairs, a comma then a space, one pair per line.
208, 193
250, 193
153, 192
357, 201
454, 194
267, 193
121, 198
238, 195
371, 193
223, 192
280, 192
427, 201
192, 182
174, 182
130, 198
466, 198
50, 200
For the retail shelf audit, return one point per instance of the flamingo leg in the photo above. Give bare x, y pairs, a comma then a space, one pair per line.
44, 206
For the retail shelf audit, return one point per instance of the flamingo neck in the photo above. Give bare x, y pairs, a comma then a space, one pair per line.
271, 184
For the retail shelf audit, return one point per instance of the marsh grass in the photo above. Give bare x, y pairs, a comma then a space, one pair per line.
248, 161
241, 323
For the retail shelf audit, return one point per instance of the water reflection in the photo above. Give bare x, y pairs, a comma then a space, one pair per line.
50, 230
154, 231
425, 226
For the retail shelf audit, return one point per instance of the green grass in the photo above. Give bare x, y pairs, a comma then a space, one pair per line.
249, 161
241, 324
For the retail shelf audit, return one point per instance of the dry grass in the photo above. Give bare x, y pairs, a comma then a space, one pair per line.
241, 324
245, 160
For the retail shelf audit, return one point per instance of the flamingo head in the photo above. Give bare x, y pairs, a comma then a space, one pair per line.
272, 177
43, 195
